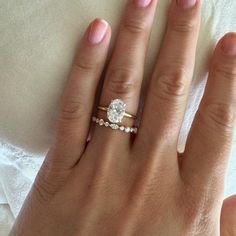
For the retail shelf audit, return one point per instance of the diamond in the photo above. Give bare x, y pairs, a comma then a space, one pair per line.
101, 122
116, 111
106, 124
122, 128
114, 126
127, 129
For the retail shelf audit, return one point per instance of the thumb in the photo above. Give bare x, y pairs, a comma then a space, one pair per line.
228, 217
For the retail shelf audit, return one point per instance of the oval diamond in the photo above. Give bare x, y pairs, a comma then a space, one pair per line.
116, 111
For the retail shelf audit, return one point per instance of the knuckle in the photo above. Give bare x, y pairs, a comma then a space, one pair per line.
221, 115
121, 82
225, 71
50, 178
170, 84
40, 192
182, 26
44, 189
72, 110
134, 26
84, 64
43, 193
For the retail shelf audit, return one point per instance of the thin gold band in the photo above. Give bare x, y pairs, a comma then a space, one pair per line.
126, 114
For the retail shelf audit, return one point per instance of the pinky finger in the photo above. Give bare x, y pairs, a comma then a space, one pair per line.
209, 143
73, 123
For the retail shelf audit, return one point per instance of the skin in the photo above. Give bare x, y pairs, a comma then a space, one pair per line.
121, 184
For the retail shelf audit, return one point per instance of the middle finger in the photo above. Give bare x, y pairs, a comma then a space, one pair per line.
168, 93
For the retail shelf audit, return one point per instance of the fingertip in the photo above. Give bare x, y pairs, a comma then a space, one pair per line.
228, 217
97, 31
187, 4
227, 44
230, 204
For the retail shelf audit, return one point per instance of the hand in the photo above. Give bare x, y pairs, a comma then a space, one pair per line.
124, 184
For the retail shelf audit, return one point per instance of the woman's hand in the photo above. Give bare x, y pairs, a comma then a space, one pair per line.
124, 184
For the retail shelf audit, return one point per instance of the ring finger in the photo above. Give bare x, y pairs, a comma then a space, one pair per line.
125, 71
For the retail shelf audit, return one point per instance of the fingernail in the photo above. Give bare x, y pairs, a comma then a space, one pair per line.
142, 3
228, 44
97, 31
186, 3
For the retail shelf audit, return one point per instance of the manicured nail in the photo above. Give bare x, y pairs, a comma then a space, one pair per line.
97, 31
186, 3
228, 44
142, 3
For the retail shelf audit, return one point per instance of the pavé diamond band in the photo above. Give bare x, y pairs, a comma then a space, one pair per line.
116, 111
125, 129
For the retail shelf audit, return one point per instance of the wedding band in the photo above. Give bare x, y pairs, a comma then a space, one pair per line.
116, 111
122, 128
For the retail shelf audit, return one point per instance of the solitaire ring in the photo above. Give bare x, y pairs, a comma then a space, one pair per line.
116, 111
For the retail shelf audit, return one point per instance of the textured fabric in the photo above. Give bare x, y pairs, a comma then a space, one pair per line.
6, 220
38, 40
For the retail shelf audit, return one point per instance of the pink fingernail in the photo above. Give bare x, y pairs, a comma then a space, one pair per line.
228, 44
142, 3
186, 3
97, 31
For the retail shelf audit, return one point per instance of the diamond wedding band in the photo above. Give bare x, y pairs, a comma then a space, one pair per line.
125, 129
116, 112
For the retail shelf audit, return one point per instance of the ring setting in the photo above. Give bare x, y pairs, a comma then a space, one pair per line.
116, 112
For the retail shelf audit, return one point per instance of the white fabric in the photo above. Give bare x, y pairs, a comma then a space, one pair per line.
3, 199
6, 219
38, 39
18, 169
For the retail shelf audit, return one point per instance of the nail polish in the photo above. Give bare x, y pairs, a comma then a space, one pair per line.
142, 3
228, 44
97, 31
186, 3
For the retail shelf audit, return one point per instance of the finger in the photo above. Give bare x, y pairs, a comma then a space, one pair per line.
166, 100
228, 217
125, 72
209, 142
77, 102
